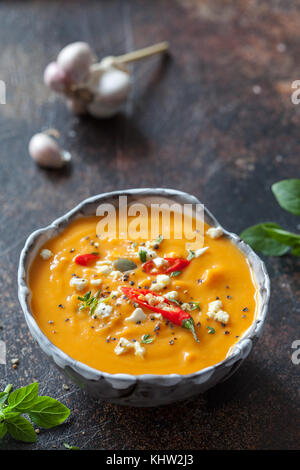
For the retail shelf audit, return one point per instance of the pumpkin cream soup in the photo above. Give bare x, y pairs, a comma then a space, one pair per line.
142, 307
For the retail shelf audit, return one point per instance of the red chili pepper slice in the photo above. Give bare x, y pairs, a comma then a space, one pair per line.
85, 259
174, 264
176, 315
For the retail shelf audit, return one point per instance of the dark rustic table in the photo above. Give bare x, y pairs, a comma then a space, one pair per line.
216, 119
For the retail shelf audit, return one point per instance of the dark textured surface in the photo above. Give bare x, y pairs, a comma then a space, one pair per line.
192, 123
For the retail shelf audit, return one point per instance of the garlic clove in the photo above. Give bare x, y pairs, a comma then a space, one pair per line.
75, 59
45, 151
100, 110
114, 86
55, 77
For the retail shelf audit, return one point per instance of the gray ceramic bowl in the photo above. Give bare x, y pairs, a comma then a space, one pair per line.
140, 390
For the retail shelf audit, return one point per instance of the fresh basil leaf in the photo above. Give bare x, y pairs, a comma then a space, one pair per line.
21, 429
282, 236
3, 429
287, 193
257, 237
143, 256
67, 446
8, 414
3, 398
47, 412
296, 251
175, 273
23, 398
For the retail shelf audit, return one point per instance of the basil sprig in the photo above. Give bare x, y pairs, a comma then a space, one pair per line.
45, 412
268, 237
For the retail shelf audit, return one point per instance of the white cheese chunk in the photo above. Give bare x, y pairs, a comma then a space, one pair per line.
221, 316
123, 346
215, 311
214, 232
159, 262
116, 275
162, 281
104, 269
138, 349
79, 283
172, 295
187, 307
46, 254
96, 282
102, 310
137, 315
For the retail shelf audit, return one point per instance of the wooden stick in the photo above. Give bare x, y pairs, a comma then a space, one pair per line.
143, 53
135, 55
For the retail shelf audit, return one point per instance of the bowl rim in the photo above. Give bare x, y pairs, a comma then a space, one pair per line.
238, 351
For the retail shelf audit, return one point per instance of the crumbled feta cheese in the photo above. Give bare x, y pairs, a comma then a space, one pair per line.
159, 262
187, 306
103, 262
162, 280
103, 310
115, 293
150, 254
123, 346
46, 254
214, 232
79, 283
172, 295
221, 316
215, 311
116, 275
214, 307
96, 282
104, 269
138, 349
137, 315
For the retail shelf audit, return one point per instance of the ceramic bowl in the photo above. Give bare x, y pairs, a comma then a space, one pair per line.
141, 390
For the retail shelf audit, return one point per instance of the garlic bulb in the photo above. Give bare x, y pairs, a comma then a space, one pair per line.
45, 151
76, 59
98, 88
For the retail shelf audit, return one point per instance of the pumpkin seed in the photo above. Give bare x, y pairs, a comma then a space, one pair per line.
123, 264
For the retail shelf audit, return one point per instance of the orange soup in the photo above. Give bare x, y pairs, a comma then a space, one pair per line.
143, 306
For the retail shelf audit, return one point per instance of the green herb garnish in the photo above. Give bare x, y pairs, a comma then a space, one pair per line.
195, 306
143, 256
159, 239
175, 273
146, 339
45, 412
211, 330
268, 237
89, 301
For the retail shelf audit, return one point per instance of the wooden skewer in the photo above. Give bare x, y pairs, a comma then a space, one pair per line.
137, 55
